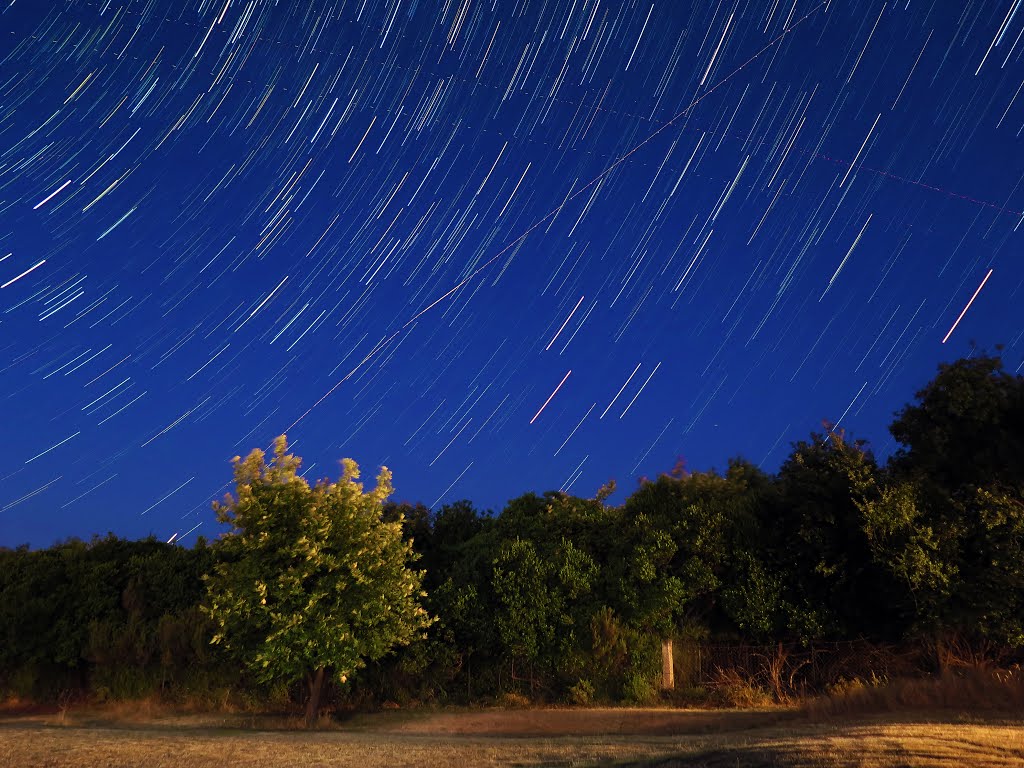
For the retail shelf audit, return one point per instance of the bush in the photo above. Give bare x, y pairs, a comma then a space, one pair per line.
730, 689
688, 696
110, 683
582, 694
855, 686
640, 682
638, 689
512, 700
39, 682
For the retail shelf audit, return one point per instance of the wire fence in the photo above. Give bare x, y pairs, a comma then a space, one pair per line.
792, 669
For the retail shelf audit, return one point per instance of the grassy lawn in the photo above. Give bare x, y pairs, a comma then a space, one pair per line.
719, 739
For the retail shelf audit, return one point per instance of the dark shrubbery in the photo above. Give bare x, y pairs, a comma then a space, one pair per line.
562, 598
118, 618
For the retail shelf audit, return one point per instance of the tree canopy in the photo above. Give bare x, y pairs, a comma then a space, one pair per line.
310, 578
557, 596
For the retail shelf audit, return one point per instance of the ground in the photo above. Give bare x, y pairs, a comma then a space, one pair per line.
577, 737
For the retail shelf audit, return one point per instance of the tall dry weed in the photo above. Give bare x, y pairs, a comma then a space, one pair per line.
970, 689
780, 670
731, 689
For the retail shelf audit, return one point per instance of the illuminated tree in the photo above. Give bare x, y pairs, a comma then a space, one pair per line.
310, 579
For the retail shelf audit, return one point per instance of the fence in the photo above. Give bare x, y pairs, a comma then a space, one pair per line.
786, 669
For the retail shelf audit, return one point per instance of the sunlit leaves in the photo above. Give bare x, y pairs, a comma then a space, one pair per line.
310, 576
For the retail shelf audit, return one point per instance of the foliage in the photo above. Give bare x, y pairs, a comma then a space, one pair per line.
952, 519
965, 428
555, 596
821, 551
84, 614
310, 578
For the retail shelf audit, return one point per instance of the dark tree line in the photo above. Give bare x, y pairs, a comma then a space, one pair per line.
119, 618
569, 598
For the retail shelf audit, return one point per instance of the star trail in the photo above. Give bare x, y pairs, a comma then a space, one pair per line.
496, 245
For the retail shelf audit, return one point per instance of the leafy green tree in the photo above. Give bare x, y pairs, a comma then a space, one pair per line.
310, 579
94, 614
452, 527
990, 593
547, 583
832, 579
960, 564
430, 668
965, 428
41, 646
684, 537
543, 615
905, 542
527, 621
750, 598
464, 547
645, 587
160, 588
950, 524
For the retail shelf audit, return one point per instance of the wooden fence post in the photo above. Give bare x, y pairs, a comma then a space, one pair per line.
668, 681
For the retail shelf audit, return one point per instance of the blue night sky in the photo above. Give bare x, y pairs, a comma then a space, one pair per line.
497, 246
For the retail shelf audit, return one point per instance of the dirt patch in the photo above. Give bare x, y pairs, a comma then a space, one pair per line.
581, 722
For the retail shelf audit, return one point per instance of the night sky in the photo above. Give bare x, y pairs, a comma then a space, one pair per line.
497, 246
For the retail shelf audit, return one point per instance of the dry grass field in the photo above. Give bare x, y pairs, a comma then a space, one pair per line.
718, 739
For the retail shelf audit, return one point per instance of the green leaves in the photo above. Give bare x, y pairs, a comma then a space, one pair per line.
949, 522
569, 593
831, 579
310, 577
966, 428
901, 538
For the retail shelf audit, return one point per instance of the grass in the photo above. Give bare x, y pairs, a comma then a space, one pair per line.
897, 743
971, 719
664, 738
977, 690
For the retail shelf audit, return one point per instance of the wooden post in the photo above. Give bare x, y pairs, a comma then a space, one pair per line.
668, 681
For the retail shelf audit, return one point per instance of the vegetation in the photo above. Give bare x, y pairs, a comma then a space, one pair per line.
919, 560
309, 578
664, 738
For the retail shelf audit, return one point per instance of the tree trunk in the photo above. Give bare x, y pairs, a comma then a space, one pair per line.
316, 685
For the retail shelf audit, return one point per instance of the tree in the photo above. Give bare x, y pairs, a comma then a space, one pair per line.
833, 580
751, 593
952, 520
465, 604
912, 545
991, 585
96, 614
543, 593
679, 540
961, 562
455, 579
528, 621
310, 579
966, 428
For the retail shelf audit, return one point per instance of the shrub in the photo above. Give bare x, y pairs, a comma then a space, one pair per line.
582, 694
513, 700
638, 689
730, 689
